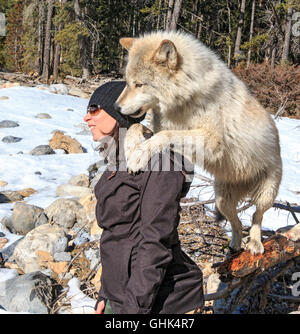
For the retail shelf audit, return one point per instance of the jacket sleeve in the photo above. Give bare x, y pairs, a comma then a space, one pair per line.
159, 220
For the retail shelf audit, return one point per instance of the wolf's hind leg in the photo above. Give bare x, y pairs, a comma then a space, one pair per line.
263, 198
227, 207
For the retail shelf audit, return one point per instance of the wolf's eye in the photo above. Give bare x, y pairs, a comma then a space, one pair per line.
138, 85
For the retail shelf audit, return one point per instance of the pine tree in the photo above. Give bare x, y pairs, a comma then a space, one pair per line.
13, 48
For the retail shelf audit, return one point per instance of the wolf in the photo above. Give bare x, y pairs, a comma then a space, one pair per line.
192, 92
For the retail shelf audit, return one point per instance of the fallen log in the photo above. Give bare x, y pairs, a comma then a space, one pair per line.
278, 248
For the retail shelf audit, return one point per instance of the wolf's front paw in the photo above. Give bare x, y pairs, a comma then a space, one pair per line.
255, 247
134, 137
137, 160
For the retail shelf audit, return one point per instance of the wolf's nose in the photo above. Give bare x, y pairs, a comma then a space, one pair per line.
117, 107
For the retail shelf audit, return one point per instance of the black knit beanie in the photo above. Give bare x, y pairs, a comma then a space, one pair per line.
106, 95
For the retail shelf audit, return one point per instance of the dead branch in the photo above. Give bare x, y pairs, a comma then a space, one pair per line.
288, 207
278, 249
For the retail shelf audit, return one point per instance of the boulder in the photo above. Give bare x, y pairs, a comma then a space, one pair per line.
59, 89
81, 180
43, 116
65, 213
31, 293
74, 191
66, 143
7, 253
8, 124
11, 84
11, 139
4, 98
47, 238
75, 91
25, 217
42, 150
14, 196
10, 196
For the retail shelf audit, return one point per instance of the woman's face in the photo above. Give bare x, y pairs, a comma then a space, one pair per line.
100, 123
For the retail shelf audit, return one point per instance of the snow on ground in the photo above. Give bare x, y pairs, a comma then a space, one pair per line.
67, 112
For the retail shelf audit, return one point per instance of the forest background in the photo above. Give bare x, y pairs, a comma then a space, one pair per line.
258, 39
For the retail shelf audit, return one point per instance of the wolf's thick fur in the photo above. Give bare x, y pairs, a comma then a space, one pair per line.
193, 93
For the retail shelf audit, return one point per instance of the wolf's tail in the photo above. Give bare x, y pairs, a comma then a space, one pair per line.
219, 216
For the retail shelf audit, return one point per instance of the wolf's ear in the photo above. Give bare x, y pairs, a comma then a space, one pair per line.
167, 55
127, 42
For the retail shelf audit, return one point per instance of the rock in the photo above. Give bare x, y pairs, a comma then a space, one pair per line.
43, 116
89, 203
81, 180
11, 84
94, 170
27, 293
59, 89
11, 139
47, 238
43, 219
14, 196
8, 124
26, 192
62, 257
3, 242
24, 217
95, 230
7, 253
66, 212
6, 223
69, 109
45, 260
10, 196
2, 235
42, 150
59, 267
4, 98
68, 144
75, 91
95, 180
3, 183
73, 191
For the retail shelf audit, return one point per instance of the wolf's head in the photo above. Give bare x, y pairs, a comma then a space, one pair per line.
151, 70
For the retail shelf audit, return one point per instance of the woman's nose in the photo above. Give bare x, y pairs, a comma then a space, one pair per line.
87, 117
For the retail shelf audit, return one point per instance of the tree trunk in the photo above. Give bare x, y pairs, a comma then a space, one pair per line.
57, 50
47, 45
287, 38
175, 15
229, 30
169, 15
40, 62
251, 31
83, 44
240, 28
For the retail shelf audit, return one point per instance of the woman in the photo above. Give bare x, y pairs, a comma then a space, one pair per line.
144, 269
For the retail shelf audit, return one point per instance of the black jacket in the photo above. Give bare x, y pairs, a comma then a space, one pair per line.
144, 269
